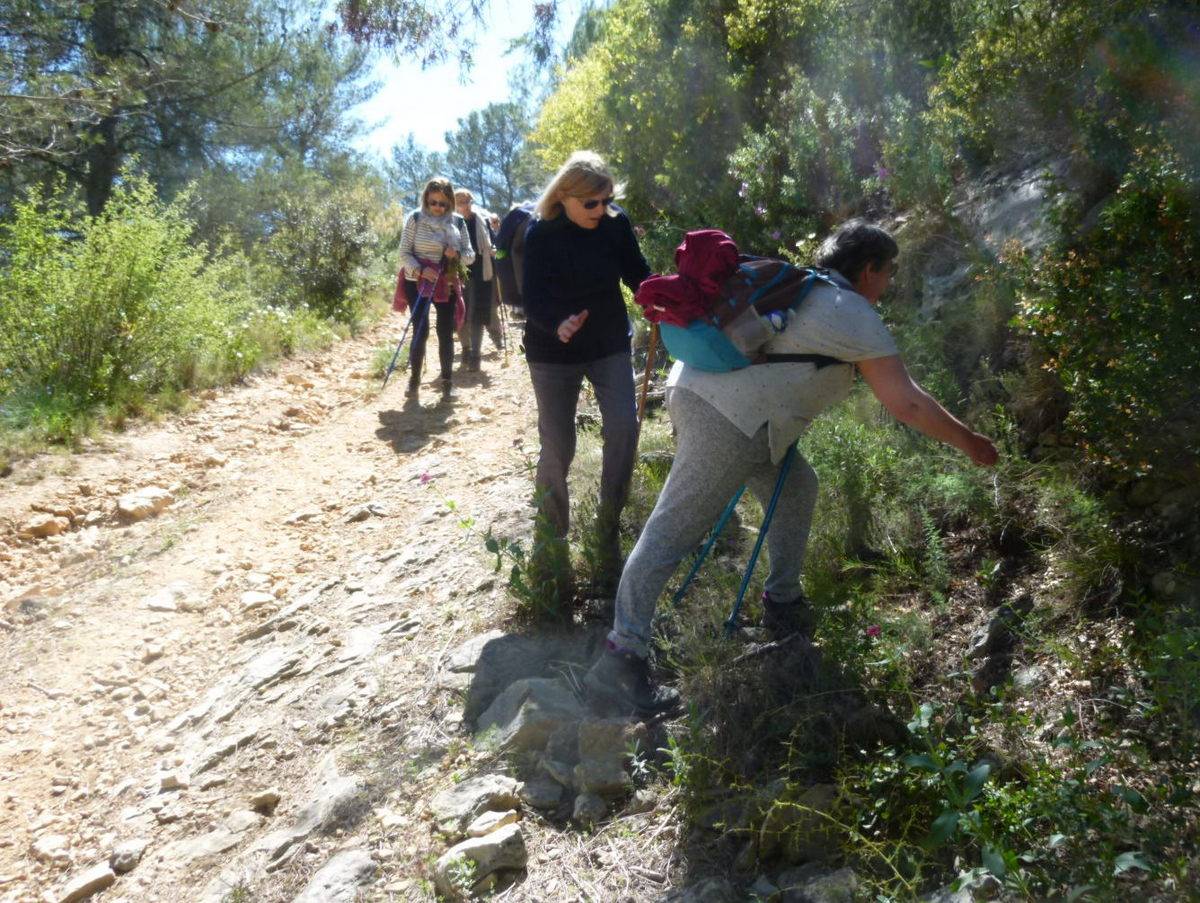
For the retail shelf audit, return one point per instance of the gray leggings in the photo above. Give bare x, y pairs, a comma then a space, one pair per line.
712, 459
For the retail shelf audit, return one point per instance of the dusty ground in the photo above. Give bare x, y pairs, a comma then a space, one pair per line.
284, 620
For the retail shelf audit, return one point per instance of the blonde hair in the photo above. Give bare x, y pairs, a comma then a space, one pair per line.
583, 175
437, 185
463, 193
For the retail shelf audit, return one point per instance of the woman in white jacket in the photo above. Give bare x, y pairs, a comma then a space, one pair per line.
433, 238
479, 282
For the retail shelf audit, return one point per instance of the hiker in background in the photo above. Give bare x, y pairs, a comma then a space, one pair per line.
433, 237
494, 325
734, 428
578, 251
479, 284
497, 323
510, 256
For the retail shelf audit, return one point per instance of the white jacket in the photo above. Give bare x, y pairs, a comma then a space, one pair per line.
483, 240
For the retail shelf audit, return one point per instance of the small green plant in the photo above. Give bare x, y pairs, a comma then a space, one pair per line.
937, 571
958, 785
382, 356
462, 873
239, 893
540, 579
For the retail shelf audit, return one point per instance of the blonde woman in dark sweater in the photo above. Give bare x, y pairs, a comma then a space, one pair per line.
578, 251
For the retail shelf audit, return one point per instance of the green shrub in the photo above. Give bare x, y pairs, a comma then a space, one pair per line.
320, 242
105, 311
114, 313
1118, 320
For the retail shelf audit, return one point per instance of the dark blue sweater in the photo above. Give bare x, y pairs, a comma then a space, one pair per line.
569, 269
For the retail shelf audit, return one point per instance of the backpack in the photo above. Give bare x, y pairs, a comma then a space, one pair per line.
726, 329
510, 252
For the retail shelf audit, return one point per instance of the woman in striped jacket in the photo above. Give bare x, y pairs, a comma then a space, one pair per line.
432, 238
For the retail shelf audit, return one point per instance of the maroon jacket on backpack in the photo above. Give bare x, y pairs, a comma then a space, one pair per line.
705, 260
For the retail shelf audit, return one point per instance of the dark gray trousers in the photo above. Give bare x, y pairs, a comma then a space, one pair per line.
479, 317
557, 387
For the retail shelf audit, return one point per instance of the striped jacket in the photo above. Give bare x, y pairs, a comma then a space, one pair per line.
426, 236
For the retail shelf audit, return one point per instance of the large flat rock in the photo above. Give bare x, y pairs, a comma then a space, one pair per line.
526, 714
340, 879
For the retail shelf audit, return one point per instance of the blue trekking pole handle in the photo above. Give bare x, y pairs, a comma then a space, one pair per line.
731, 624
712, 539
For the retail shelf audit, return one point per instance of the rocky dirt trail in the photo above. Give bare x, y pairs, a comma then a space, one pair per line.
223, 639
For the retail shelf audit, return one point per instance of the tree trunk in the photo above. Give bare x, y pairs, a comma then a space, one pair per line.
104, 155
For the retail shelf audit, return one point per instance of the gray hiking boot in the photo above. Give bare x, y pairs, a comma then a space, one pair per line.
782, 619
620, 683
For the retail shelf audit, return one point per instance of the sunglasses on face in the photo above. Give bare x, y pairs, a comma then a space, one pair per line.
596, 202
442, 205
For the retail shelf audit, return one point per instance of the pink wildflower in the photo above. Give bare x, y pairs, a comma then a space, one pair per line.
874, 630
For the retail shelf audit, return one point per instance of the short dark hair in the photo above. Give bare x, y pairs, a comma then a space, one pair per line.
853, 245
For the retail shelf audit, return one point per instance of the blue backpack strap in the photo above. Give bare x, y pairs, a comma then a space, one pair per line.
779, 277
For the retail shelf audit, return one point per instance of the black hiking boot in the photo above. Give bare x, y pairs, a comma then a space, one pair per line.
620, 683
447, 388
414, 387
782, 619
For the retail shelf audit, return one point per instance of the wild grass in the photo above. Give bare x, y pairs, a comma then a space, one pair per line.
123, 314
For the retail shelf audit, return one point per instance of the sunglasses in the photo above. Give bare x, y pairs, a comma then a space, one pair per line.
594, 203
442, 205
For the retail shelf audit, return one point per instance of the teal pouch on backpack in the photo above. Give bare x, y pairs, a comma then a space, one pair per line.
702, 346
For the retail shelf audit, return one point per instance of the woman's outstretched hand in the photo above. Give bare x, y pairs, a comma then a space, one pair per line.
981, 450
571, 325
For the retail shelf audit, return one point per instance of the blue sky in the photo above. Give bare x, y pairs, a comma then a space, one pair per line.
402, 103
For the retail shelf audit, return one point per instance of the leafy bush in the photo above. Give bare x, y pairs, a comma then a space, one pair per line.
319, 243
117, 307
109, 313
1118, 320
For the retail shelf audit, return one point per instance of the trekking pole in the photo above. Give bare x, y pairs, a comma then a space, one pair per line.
387, 374
412, 319
649, 367
731, 624
712, 539
503, 322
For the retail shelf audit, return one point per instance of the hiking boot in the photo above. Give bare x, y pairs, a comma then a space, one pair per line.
447, 388
782, 619
620, 682
414, 386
